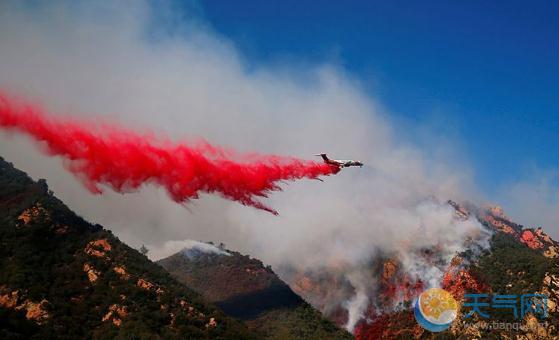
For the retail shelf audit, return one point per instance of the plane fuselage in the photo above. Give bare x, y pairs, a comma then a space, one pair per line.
340, 162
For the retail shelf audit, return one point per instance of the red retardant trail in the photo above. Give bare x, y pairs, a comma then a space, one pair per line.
125, 160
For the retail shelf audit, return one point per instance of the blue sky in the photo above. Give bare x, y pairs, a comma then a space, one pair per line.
485, 71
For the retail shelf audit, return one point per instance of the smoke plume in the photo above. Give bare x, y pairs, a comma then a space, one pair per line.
125, 160
153, 68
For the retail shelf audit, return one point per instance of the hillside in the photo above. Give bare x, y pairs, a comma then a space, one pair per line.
519, 261
62, 277
244, 288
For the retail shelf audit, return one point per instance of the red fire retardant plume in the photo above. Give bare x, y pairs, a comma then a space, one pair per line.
125, 160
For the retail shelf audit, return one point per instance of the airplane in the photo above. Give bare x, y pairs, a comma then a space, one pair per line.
339, 162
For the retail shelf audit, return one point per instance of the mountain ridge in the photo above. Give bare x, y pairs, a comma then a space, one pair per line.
63, 277
519, 261
244, 288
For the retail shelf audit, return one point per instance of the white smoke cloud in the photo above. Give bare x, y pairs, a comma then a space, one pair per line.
357, 304
189, 247
103, 60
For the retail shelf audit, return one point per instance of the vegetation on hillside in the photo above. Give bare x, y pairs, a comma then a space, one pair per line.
244, 288
510, 267
62, 277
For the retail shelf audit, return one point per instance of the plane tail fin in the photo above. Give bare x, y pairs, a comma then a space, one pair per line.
324, 157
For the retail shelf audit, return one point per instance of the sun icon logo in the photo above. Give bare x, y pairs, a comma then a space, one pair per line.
435, 309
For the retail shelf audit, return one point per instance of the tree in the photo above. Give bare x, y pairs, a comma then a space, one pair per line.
42, 183
143, 250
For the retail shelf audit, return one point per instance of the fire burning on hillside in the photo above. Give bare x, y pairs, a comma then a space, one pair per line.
357, 296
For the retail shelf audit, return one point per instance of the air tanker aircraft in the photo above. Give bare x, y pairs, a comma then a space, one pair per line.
339, 162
